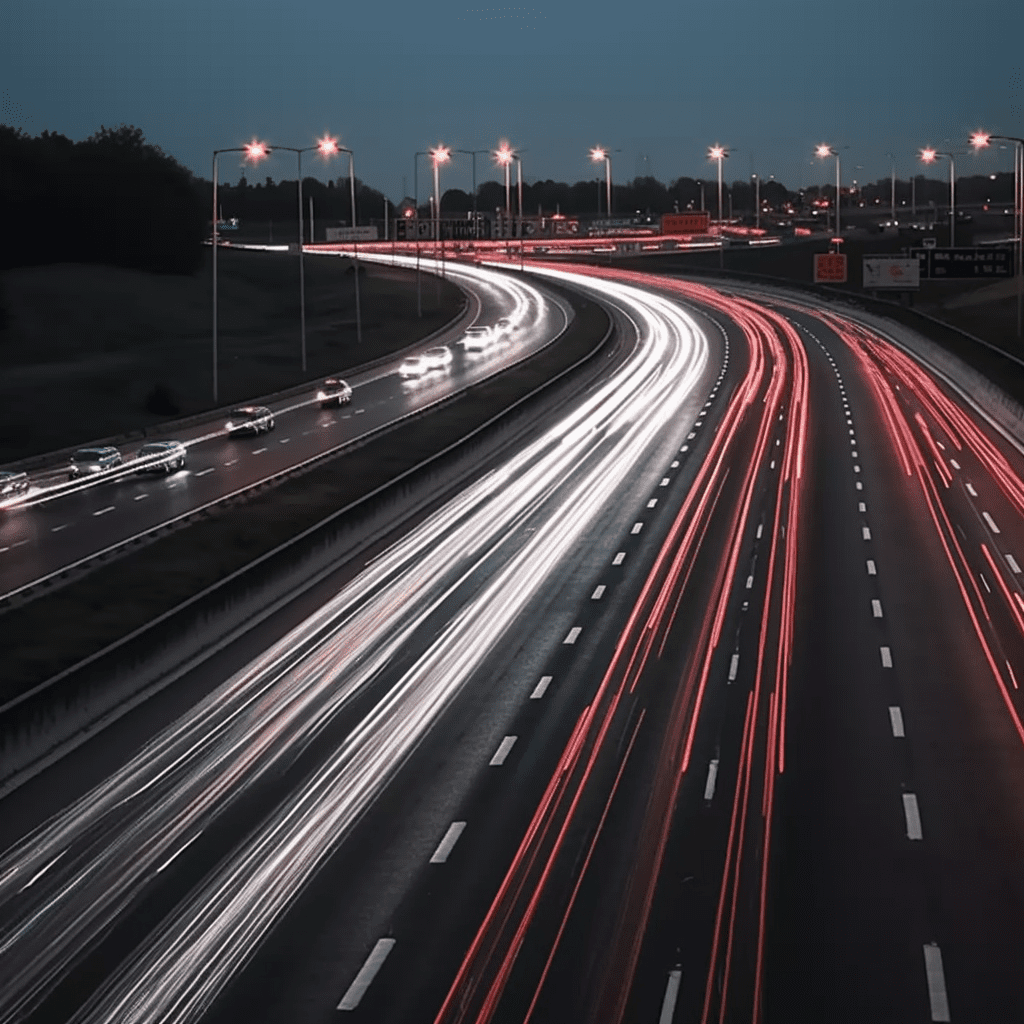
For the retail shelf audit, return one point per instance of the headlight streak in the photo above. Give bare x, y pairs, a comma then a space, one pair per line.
123, 831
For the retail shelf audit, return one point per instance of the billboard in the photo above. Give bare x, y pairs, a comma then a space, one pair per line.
693, 223
360, 234
829, 267
959, 263
891, 272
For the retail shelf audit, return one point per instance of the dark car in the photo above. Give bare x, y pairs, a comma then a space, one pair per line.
334, 392
87, 461
12, 483
161, 457
250, 419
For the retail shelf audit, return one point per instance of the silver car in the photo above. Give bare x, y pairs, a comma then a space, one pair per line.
250, 419
438, 358
413, 366
161, 457
87, 461
334, 392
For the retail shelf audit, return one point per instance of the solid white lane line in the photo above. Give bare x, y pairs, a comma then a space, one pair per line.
938, 1002
988, 519
886, 657
572, 635
140, 497
203, 472
652, 503
538, 692
971, 491
865, 532
709, 786
896, 720
954, 463
598, 593
503, 750
374, 962
447, 844
637, 527
876, 609
1012, 562
619, 558
862, 507
104, 511
750, 582
734, 666
913, 815
664, 482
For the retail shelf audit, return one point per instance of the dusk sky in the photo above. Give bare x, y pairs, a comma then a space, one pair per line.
658, 81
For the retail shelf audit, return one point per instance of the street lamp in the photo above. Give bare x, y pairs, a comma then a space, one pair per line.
979, 140
355, 239
440, 154
597, 154
327, 147
823, 151
473, 153
718, 153
892, 197
928, 155
757, 201
254, 151
504, 155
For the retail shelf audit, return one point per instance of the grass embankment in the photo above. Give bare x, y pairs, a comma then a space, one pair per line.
92, 352
59, 629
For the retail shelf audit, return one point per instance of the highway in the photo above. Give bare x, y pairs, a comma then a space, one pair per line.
702, 706
60, 524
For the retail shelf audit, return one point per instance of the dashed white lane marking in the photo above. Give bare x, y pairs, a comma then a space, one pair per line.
283, 440
937, 1000
851, 431
447, 844
913, 815
598, 593
896, 721
652, 503
690, 436
1012, 562
685, 448
668, 1004
675, 465
886, 657
619, 558
572, 635
862, 507
203, 472
709, 786
637, 527
57, 529
865, 532
991, 522
971, 491
103, 511
259, 451
859, 486
3, 549
538, 692
231, 463
872, 571
664, 482
374, 962
734, 666
760, 530
856, 469
141, 497
503, 750
772, 465
750, 582
954, 463
876, 609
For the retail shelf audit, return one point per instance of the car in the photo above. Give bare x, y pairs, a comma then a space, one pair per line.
413, 366
334, 392
250, 419
87, 461
438, 357
477, 338
161, 457
12, 483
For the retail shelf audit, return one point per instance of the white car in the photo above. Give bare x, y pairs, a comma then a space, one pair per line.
250, 419
477, 338
438, 358
413, 366
161, 457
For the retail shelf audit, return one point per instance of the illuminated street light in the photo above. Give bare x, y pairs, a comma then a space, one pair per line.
718, 153
823, 151
440, 154
980, 140
928, 155
503, 156
597, 154
254, 151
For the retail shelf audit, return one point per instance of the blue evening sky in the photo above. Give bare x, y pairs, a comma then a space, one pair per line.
657, 80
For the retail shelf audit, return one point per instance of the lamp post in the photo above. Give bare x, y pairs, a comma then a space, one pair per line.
355, 240
472, 153
253, 151
823, 151
504, 156
597, 154
757, 202
416, 218
718, 153
928, 155
440, 154
979, 140
892, 196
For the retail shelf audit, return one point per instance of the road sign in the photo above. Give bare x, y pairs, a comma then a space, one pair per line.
957, 264
829, 267
695, 223
928, 243
891, 272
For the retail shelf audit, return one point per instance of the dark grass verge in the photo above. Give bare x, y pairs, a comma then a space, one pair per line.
57, 630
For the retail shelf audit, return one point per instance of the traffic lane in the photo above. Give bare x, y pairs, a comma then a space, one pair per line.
961, 765
89, 520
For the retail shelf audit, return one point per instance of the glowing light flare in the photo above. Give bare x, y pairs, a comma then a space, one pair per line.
504, 155
717, 152
824, 150
256, 151
980, 139
928, 154
440, 154
598, 153
327, 146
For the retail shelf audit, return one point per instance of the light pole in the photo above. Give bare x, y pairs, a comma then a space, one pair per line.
355, 239
253, 151
718, 153
979, 140
473, 153
597, 154
823, 151
326, 147
440, 154
928, 155
892, 196
416, 218
757, 202
504, 156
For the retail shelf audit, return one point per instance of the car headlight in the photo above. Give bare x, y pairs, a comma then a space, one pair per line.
230, 425
321, 395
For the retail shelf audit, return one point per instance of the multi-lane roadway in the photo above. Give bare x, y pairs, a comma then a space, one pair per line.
702, 706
